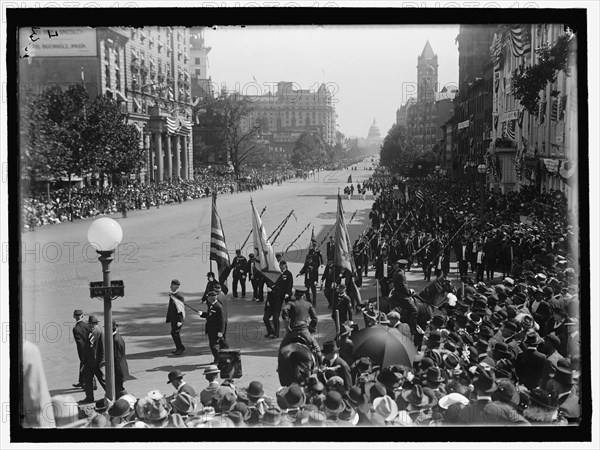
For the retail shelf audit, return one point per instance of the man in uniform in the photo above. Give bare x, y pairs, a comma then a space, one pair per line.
302, 319
272, 310
310, 270
256, 278
238, 266
285, 282
402, 296
176, 316
81, 330
210, 285
215, 324
330, 247
342, 304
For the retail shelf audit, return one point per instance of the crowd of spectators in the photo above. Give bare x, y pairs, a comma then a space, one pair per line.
42, 208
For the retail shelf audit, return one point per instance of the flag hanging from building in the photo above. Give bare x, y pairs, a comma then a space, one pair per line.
172, 125
218, 246
510, 130
267, 262
520, 39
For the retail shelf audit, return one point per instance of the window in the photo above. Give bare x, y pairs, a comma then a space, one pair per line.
118, 79
107, 76
117, 57
106, 51
197, 60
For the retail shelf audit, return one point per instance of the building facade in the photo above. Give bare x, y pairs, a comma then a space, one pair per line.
287, 113
473, 104
540, 148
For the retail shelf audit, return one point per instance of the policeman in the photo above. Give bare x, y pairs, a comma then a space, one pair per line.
238, 266
301, 319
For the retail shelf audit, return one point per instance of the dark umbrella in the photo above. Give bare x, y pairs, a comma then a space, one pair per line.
384, 345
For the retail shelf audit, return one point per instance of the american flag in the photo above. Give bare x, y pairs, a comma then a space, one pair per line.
520, 39
173, 125
419, 195
218, 247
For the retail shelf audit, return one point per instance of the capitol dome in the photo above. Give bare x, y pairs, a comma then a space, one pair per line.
374, 132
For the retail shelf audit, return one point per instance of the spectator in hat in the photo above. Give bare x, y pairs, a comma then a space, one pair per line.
271, 417
185, 405
121, 366
417, 402
118, 412
558, 325
80, 334
477, 411
543, 408
211, 373
176, 316
332, 359
550, 349
345, 344
258, 403
530, 363
94, 359
540, 310
562, 384
176, 380
158, 413
361, 370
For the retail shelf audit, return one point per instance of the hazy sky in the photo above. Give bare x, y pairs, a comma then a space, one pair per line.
371, 69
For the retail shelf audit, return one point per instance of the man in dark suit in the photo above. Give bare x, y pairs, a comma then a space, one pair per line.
176, 380
327, 277
330, 248
80, 334
93, 359
477, 412
285, 282
402, 296
215, 324
310, 270
121, 366
238, 267
272, 310
530, 363
176, 316
256, 278
331, 358
462, 256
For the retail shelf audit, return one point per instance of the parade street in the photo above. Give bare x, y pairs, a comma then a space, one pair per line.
173, 242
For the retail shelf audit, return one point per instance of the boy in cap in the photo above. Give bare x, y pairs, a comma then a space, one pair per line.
176, 316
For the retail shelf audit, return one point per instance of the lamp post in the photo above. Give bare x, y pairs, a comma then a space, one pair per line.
104, 235
481, 168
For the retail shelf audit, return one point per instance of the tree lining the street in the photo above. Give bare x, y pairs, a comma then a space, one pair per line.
399, 151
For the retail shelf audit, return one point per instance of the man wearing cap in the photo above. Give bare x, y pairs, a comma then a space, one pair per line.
81, 330
176, 316
121, 367
285, 282
310, 270
303, 320
342, 304
238, 267
215, 324
210, 285
272, 310
93, 359
256, 278
328, 278
345, 344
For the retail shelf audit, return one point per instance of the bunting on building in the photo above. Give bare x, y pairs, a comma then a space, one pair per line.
178, 126
520, 39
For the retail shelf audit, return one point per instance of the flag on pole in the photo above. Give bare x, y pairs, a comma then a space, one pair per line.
218, 247
342, 254
267, 262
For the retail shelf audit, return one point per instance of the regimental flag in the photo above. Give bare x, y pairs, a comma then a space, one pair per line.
267, 262
218, 246
342, 254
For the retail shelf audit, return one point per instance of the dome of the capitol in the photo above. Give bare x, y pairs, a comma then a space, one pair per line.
374, 132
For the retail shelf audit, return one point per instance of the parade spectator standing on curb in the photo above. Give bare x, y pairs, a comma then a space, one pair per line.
93, 359
176, 316
215, 324
81, 331
238, 267
121, 366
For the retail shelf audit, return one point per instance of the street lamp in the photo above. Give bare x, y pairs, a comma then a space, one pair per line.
481, 168
104, 235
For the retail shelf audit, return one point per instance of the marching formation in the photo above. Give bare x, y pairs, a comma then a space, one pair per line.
498, 346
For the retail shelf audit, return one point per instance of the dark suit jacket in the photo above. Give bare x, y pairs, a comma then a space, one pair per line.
188, 390
343, 371
285, 283
274, 298
400, 284
81, 330
300, 311
172, 314
529, 367
121, 366
238, 266
94, 354
215, 318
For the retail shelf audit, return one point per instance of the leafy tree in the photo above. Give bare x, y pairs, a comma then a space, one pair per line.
309, 151
239, 138
113, 145
399, 151
57, 120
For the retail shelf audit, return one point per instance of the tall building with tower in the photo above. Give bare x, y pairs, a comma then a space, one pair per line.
427, 75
